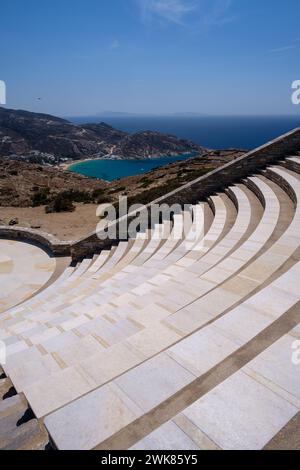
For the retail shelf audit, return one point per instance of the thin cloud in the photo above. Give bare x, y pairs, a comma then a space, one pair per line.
173, 11
284, 48
191, 13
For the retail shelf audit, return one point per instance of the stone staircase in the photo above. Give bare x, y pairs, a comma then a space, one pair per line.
19, 429
157, 344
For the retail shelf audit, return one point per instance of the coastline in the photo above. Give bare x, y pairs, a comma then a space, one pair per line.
68, 165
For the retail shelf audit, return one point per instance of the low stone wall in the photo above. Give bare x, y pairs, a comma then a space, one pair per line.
46, 241
195, 191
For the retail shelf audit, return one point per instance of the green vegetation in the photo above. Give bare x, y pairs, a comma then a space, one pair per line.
145, 182
152, 194
40, 197
61, 203
64, 201
77, 196
99, 196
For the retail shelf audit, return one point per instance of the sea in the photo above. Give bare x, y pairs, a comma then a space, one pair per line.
214, 132
111, 170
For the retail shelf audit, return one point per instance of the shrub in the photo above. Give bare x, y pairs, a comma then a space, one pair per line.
103, 198
117, 190
61, 203
41, 197
77, 196
145, 182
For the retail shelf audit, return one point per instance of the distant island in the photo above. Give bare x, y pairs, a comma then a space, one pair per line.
49, 140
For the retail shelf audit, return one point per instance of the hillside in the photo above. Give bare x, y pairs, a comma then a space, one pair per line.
23, 188
147, 144
45, 139
21, 183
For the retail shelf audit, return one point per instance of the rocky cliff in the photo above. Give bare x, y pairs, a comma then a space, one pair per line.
45, 139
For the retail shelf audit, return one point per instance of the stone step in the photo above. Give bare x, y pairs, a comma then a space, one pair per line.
11, 406
124, 334
148, 342
19, 430
292, 163
245, 412
5, 386
288, 438
29, 436
118, 405
139, 274
141, 396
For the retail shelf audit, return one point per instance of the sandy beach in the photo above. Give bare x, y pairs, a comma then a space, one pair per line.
66, 166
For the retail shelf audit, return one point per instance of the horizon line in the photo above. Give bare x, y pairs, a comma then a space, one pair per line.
121, 114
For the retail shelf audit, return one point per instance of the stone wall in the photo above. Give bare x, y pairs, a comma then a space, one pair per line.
46, 241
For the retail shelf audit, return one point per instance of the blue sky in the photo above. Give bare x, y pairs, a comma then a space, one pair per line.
150, 56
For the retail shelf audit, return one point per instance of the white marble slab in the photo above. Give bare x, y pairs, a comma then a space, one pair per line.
240, 414
92, 419
154, 381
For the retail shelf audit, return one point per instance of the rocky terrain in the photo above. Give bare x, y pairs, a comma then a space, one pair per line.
45, 139
21, 183
26, 190
153, 144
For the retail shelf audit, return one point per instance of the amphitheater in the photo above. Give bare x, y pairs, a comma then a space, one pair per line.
147, 344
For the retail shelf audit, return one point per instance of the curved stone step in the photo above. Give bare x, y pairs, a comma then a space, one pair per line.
140, 391
214, 233
172, 337
245, 412
167, 338
5, 387
29, 436
288, 438
292, 163
271, 268
158, 367
68, 288
25, 270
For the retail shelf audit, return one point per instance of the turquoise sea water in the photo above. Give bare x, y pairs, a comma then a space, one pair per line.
111, 170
